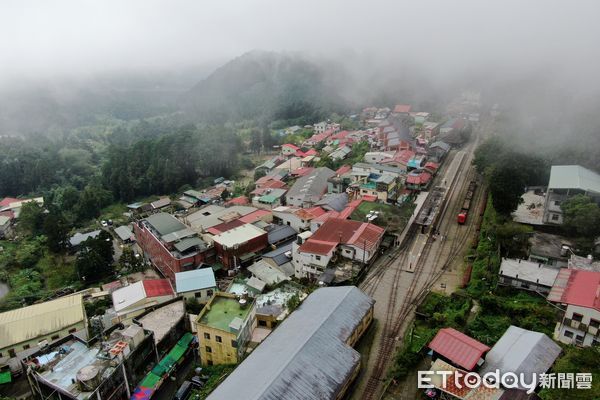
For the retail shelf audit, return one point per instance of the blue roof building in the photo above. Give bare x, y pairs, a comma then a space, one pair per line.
197, 283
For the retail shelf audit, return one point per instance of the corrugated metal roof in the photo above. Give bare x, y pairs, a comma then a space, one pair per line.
529, 271
306, 357
165, 223
577, 287
281, 232
196, 279
79, 237
188, 243
278, 255
256, 283
573, 177
521, 351
123, 232
267, 273
313, 184
37, 320
457, 347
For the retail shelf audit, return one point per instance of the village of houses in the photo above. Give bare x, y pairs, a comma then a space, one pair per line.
276, 275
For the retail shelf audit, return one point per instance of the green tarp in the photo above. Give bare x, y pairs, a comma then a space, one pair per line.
5, 377
150, 381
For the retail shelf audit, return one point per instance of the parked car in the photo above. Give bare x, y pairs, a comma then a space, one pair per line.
184, 391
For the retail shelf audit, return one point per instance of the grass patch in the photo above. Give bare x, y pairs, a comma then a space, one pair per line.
390, 216
216, 373
576, 360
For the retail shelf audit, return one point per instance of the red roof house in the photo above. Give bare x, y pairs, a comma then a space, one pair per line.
402, 109
238, 201
337, 231
344, 169
5, 202
458, 348
577, 287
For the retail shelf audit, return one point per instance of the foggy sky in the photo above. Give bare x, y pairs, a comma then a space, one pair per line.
78, 37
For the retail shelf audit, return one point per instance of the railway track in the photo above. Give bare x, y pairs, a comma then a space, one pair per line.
395, 319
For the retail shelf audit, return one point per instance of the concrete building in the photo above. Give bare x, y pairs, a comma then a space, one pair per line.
353, 240
214, 215
169, 244
167, 322
100, 370
198, 284
224, 328
310, 355
28, 328
132, 300
527, 275
240, 245
577, 291
565, 182
309, 189
298, 218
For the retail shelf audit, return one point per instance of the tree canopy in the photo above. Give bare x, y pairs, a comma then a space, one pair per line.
581, 216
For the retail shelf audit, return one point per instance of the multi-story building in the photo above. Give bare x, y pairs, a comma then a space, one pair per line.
169, 244
106, 369
353, 240
565, 182
224, 327
25, 329
578, 291
310, 355
240, 245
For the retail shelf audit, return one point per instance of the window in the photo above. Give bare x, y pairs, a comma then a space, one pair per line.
594, 323
218, 339
568, 334
557, 202
209, 362
25, 347
318, 258
72, 330
208, 349
206, 336
198, 295
577, 317
54, 337
554, 217
262, 322
11, 353
209, 293
234, 344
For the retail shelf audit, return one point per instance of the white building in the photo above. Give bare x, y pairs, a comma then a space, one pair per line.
527, 275
579, 291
